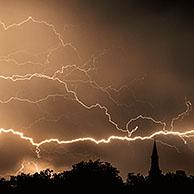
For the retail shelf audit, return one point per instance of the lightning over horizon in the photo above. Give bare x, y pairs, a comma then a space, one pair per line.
74, 87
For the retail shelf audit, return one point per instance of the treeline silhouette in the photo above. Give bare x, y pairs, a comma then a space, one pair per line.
95, 177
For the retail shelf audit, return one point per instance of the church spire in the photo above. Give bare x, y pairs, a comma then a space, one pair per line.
155, 169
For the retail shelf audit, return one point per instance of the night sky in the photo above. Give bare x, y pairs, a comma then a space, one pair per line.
85, 68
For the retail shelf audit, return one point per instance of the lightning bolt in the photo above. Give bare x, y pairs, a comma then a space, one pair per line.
25, 164
169, 145
15, 78
20, 170
182, 135
51, 26
182, 115
62, 43
86, 71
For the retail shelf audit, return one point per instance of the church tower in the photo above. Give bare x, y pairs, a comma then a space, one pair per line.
155, 169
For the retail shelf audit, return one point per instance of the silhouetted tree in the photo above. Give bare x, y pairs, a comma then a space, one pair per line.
90, 177
136, 183
95, 177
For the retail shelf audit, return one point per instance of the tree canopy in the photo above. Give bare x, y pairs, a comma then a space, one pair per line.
95, 177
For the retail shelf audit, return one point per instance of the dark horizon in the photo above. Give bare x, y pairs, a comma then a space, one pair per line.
153, 171
99, 177
85, 177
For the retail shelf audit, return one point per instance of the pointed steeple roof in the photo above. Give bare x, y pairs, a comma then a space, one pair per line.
155, 169
154, 151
